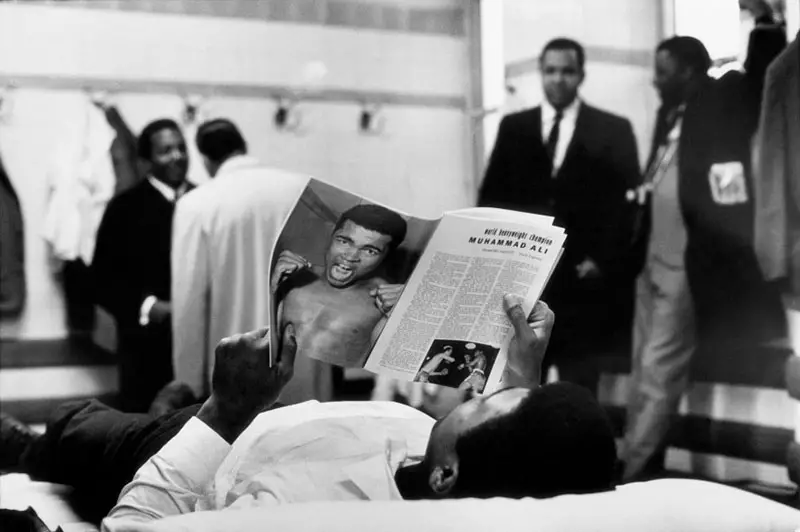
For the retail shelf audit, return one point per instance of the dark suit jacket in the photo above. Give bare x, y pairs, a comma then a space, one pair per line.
587, 198
12, 249
734, 305
131, 262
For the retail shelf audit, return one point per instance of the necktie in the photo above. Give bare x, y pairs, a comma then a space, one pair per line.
552, 139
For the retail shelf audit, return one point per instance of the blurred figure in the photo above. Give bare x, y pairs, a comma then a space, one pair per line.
131, 265
431, 368
574, 162
13, 289
223, 238
700, 287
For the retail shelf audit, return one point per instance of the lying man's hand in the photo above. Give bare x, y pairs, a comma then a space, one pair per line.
288, 263
529, 344
244, 384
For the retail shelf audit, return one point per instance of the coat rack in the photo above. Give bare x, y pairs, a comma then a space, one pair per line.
208, 90
286, 97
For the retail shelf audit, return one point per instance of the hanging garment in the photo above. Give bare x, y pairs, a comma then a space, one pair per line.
124, 155
12, 249
81, 182
777, 172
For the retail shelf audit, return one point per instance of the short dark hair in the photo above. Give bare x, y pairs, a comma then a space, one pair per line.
562, 43
378, 219
218, 139
557, 441
144, 146
689, 52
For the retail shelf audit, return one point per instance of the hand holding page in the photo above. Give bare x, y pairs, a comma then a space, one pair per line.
415, 299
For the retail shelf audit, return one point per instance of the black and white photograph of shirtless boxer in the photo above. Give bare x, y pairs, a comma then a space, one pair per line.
339, 295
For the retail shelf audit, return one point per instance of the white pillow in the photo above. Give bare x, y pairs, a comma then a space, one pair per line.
656, 506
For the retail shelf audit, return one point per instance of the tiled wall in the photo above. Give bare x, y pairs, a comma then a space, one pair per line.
619, 37
417, 61
422, 142
436, 17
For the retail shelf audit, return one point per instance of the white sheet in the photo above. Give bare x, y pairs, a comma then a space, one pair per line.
657, 506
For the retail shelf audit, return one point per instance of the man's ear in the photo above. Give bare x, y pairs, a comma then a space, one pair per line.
443, 479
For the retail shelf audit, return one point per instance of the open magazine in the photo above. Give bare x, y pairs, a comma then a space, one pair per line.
365, 286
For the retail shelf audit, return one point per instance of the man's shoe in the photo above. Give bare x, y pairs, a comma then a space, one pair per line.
15, 438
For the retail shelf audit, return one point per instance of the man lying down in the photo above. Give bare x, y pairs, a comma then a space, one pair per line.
523, 441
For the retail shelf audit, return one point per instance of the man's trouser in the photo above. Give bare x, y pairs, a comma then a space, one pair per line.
663, 344
98, 450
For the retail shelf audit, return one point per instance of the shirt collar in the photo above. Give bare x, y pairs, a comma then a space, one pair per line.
570, 112
171, 194
237, 162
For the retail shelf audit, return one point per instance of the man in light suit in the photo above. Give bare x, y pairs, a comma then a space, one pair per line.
222, 241
700, 294
573, 161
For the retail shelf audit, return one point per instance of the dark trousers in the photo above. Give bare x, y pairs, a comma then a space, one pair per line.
98, 450
145, 365
79, 297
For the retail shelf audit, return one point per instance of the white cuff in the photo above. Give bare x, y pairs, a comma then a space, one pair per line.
144, 311
196, 452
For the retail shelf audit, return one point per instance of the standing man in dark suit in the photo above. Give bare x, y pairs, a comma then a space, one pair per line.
572, 161
131, 266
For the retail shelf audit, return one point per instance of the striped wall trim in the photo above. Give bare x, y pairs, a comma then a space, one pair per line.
762, 367
39, 411
26, 354
594, 54
726, 438
234, 90
793, 461
793, 376
443, 21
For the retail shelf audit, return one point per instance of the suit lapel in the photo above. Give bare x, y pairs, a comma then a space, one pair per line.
536, 124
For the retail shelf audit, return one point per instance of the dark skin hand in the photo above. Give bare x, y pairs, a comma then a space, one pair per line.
244, 384
529, 344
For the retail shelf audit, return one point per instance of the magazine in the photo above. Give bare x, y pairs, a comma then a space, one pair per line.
366, 286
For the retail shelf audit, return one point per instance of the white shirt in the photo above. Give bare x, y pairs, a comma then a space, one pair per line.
566, 131
667, 242
171, 194
222, 239
80, 183
308, 452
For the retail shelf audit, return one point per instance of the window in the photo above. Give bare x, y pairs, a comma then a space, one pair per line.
717, 23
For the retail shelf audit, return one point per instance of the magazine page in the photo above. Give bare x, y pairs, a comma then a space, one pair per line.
493, 213
338, 268
449, 327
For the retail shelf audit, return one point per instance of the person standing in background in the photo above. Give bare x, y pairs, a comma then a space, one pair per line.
13, 289
224, 233
131, 266
700, 288
575, 162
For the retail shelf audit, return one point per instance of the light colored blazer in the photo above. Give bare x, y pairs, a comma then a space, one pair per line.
222, 239
776, 181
